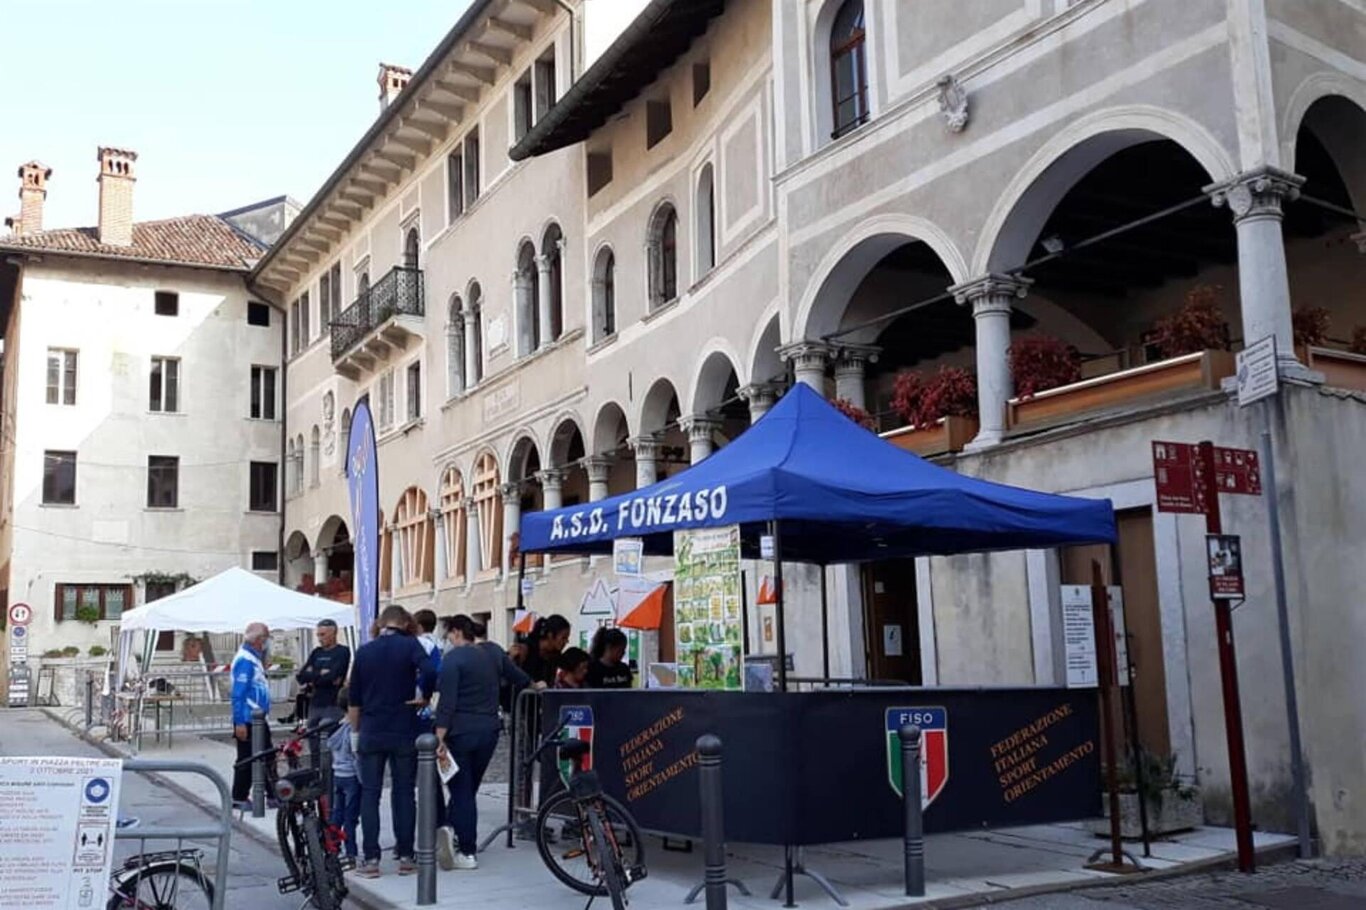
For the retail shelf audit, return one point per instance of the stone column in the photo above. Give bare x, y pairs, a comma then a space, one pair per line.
647, 458
512, 520
808, 359
440, 569
544, 299
552, 487
851, 363
319, 567
1254, 197
990, 297
474, 542
526, 329
471, 355
597, 467
760, 396
699, 428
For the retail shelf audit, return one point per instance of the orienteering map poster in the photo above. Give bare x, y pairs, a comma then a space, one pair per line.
707, 618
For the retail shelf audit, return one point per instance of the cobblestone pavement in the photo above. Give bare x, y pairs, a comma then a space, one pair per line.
1310, 885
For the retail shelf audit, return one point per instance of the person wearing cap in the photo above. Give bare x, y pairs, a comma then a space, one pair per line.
324, 673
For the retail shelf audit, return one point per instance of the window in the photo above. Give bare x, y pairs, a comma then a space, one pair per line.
91, 602
61, 376
545, 83
455, 184
345, 435
384, 401
414, 531
258, 313
299, 464
314, 455
164, 385
599, 171
263, 393
490, 511
471, 167
163, 481
335, 306
476, 353
701, 81
706, 221
412, 249
848, 68
324, 297
265, 494
363, 285
553, 262
455, 347
415, 390
265, 561
167, 303
605, 296
659, 122
526, 298
305, 317
59, 478
294, 344
521, 107
662, 247
454, 517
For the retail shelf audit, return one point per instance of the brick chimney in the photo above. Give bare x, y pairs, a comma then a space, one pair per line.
391, 80
116, 196
32, 191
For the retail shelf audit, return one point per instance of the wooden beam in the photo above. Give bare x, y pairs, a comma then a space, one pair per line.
327, 233
358, 196
484, 74
496, 54
521, 32
341, 224
405, 162
452, 113
545, 7
384, 170
421, 146
291, 275
349, 209
436, 130
376, 188
311, 243
463, 92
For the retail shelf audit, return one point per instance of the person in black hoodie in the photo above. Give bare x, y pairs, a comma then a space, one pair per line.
609, 669
324, 674
541, 659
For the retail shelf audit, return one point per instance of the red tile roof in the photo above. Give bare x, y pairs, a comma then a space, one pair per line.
193, 240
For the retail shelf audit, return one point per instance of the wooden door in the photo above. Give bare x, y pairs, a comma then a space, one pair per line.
891, 621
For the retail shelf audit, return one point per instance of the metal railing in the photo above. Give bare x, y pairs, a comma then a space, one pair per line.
217, 830
524, 732
399, 293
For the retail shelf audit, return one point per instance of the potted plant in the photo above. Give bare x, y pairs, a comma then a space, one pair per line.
940, 411
71, 651
1041, 362
97, 651
1171, 804
1311, 326
855, 413
1358, 345
88, 613
1198, 326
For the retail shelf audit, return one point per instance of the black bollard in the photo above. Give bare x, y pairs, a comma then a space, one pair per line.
427, 782
89, 700
258, 768
713, 820
914, 837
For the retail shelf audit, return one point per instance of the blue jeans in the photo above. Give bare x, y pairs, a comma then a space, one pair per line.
402, 762
472, 753
346, 809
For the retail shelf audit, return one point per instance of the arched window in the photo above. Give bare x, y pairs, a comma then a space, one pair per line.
289, 468
314, 455
413, 530
553, 265
706, 221
490, 506
475, 361
386, 559
662, 247
412, 245
345, 435
299, 464
363, 286
453, 519
455, 347
848, 68
524, 289
605, 295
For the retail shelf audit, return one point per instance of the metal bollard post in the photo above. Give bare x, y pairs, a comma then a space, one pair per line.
914, 837
258, 769
89, 700
713, 820
426, 820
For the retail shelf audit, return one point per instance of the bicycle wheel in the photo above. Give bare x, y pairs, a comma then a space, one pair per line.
609, 855
320, 886
292, 846
162, 886
562, 842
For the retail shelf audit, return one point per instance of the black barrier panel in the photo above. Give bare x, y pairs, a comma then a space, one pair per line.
823, 767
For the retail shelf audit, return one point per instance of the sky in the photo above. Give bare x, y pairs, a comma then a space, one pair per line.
226, 102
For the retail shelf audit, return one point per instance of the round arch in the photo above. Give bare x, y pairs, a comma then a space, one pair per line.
296, 546
566, 426
715, 366
328, 534
611, 428
523, 457
1306, 95
762, 352
1337, 122
657, 406
1031, 196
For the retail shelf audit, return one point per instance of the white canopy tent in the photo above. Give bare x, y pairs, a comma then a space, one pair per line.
232, 599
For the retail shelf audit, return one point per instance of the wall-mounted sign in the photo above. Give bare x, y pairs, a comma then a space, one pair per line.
628, 556
1225, 566
1256, 372
502, 401
1079, 637
20, 614
1180, 478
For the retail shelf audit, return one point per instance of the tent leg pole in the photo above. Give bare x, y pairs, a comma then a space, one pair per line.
825, 630
521, 573
776, 529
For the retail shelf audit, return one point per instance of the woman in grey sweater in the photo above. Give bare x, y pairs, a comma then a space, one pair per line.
467, 728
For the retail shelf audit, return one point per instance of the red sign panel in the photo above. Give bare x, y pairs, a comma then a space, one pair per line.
1236, 471
1181, 482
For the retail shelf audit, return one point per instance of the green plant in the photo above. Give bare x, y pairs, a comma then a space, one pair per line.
855, 413
97, 651
1310, 324
921, 402
88, 613
70, 651
1197, 326
281, 663
1041, 362
1159, 778
53, 652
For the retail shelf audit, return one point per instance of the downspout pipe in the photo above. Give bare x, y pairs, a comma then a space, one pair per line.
573, 43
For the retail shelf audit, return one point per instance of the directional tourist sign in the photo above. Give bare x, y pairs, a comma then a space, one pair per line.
1237, 471
1183, 481
934, 749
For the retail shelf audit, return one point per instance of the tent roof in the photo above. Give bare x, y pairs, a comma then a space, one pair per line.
232, 599
842, 494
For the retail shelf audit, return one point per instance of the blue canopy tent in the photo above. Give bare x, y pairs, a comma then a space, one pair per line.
828, 491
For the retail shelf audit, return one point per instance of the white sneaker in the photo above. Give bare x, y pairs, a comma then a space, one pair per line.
465, 861
445, 848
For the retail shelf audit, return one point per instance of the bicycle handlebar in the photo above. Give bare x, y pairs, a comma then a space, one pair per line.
323, 729
551, 739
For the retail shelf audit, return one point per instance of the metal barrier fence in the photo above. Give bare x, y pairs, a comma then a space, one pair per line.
524, 732
219, 830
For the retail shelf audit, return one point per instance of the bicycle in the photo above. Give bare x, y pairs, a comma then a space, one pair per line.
309, 843
595, 830
166, 880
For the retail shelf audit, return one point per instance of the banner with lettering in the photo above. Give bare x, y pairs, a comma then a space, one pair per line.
708, 628
362, 483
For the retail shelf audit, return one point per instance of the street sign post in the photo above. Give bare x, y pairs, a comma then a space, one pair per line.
20, 614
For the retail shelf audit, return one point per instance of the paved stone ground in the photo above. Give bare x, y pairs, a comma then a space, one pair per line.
1311, 885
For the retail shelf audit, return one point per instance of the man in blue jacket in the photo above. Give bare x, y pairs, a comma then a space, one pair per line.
250, 692
384, 723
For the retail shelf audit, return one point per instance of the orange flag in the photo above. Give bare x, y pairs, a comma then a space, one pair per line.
647, 613
768, 590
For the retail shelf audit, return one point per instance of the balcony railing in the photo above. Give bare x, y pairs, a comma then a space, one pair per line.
398, 293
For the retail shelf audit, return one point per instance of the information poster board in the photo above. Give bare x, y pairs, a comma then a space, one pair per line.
57, 826
1079, 637
707, 613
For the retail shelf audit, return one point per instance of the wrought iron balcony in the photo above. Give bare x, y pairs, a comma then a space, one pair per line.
375, 321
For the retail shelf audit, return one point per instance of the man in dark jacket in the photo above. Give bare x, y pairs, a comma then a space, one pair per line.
383, 715
324, 673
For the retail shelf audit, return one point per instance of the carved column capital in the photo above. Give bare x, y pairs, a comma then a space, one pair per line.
991, 293
551, 478
853, 359
699, 426
511, 493
597, 467
1257, 193
646, 448
806, 355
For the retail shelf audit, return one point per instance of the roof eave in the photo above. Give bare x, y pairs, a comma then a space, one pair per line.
23, 250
